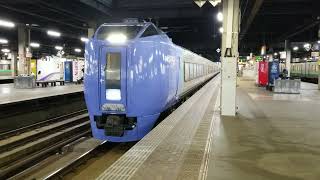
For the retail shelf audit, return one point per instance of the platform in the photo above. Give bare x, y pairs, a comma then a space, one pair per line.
8, 94
274, 136
21, 108
6, 79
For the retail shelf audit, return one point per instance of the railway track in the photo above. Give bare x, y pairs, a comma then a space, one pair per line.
25, 147
7, 134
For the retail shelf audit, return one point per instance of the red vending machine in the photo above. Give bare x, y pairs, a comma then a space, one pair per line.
263, 73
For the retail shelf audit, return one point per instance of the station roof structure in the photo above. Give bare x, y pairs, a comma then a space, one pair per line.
262, 21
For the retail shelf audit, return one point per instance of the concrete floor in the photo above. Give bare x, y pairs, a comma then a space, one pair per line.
274, 137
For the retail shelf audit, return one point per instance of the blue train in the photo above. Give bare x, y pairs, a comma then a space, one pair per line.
133, 73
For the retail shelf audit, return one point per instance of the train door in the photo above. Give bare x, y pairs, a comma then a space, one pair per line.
68, 71
113, 79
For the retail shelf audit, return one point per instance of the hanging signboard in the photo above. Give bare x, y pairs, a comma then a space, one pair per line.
200, 3
283, 55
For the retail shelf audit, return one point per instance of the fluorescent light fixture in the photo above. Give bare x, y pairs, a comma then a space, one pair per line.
117, 38
83, 39
53, 33
6, 24
221, 30
77, 50
296, 48
307, 45
58, 48
5, 50
3, 41
220, 17
34, 45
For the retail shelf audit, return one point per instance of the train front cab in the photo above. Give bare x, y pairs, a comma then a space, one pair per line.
121, 116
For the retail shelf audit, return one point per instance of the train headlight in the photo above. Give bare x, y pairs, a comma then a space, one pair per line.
117, 38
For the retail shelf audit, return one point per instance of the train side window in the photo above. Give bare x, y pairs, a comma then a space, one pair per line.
191, 72
197, 70
194, 71
150, 31
186, 72
202, 68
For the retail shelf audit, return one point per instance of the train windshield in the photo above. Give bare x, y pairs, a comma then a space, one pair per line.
126, 31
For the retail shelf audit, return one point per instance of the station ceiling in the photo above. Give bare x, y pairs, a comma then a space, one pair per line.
262, 21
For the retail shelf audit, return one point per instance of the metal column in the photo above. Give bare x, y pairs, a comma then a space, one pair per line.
229, 57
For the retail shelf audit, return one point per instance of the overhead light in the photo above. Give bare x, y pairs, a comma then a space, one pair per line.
53, 33
5, 50
77, 50
34, 45
221, 29
6, 24
3, 41
117, 38
296, 48
275, 54
83, 39
214, 2
220, 17
306, 45
58, 48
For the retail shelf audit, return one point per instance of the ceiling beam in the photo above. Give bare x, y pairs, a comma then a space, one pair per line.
99, 5
40, 16
299, 30
161, 13
256, 7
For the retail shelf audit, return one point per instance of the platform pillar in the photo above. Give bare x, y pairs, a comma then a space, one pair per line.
14, 64
229, 57
288, 58
22, 40
91, 29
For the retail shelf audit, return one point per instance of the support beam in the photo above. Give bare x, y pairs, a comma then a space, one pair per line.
256, 7
101, 7
299, 30
92, 28
229, 57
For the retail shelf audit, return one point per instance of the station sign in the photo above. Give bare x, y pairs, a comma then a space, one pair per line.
258, 58
283, 55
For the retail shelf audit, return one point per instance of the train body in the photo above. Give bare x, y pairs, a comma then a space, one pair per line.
308, 71
133, 72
